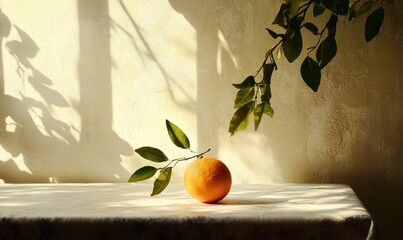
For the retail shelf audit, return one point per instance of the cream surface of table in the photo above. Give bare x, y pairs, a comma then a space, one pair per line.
126, 211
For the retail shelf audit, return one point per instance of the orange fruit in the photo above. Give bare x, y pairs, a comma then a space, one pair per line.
207, 180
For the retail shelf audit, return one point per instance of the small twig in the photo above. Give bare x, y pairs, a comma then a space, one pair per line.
176, 160
303, 12
270, 52
320, 35
317, 43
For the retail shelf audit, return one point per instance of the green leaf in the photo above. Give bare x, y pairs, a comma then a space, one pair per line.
240, 119
292, 47
143, 174
178, 137
258, 113
266, 96
152, 154
244, 96
319, 53
290, 33
310, 72
279, 52
318, 9
293, 9
281, 19
351, 11
365, 7
326, 51
296, 22
268, 71
272, 33
162, 181
268, 110
341, 6
248, 82
331, 25
312, 28
374, 23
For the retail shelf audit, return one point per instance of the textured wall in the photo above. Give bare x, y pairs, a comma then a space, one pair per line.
83, 83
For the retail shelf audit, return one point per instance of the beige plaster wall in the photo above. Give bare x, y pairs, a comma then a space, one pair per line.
84, 83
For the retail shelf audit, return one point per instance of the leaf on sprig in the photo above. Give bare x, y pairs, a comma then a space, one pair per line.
310, 72
162, 181
257, 114
268, 71
292, 47
143, 174
244, 96
351, 11
281, 19
318, 9
266, 96
296, 23
332, 25
326, 51
374, 23
340, 6
177, 136
268, 110
152, 154
279, 52
312, 28
365, 7
272, 33
240, 119
248, 82
293, 8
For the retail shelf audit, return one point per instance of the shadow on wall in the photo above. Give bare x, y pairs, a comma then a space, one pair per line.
349, 132
102, 146
224, 52
363, 134
42, 147
231, 38
333, 136
146, 53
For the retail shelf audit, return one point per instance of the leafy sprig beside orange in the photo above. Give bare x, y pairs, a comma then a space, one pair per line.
206, 179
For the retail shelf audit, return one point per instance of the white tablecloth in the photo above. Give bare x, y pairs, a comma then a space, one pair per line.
126, 211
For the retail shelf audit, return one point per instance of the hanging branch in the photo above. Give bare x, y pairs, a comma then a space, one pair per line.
292, 18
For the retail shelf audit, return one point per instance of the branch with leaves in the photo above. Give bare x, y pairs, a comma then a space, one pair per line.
179, 138
254, 95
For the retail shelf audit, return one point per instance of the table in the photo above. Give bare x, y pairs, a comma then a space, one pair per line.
126, 211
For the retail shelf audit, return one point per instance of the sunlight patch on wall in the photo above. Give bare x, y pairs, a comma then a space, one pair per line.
223, 45
53, 180
18, 161
153, 76
11, 125
158, 54
250, 157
